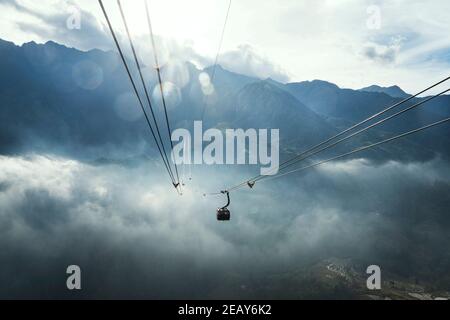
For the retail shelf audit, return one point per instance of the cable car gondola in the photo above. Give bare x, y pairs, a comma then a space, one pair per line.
223, 214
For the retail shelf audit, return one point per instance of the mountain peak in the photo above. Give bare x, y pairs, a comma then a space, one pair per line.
275, 82
218, 67
393, 91
53, 43
323, 83
6, 42
29, 44
314, 84
266, 85
49, 44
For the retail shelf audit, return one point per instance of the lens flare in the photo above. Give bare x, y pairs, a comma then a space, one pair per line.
172, 95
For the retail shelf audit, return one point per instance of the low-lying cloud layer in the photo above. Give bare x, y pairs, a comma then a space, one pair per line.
133, 237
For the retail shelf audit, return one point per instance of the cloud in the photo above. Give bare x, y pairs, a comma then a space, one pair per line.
93, 33
15, 4
247, 61
381, 54
385, 54
55, 26
133, 237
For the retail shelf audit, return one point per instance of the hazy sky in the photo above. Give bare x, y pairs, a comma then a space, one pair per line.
352, 43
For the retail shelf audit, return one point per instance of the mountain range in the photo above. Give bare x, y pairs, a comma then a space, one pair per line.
81, 104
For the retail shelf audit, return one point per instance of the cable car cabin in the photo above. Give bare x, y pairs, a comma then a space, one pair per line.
223, 214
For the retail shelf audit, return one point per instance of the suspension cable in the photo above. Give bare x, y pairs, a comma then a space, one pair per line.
176, 184
305, 154
359, 149
134, 86
217, 55
360, 131
155, 55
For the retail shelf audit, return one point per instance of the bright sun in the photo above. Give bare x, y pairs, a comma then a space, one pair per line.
197, 22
